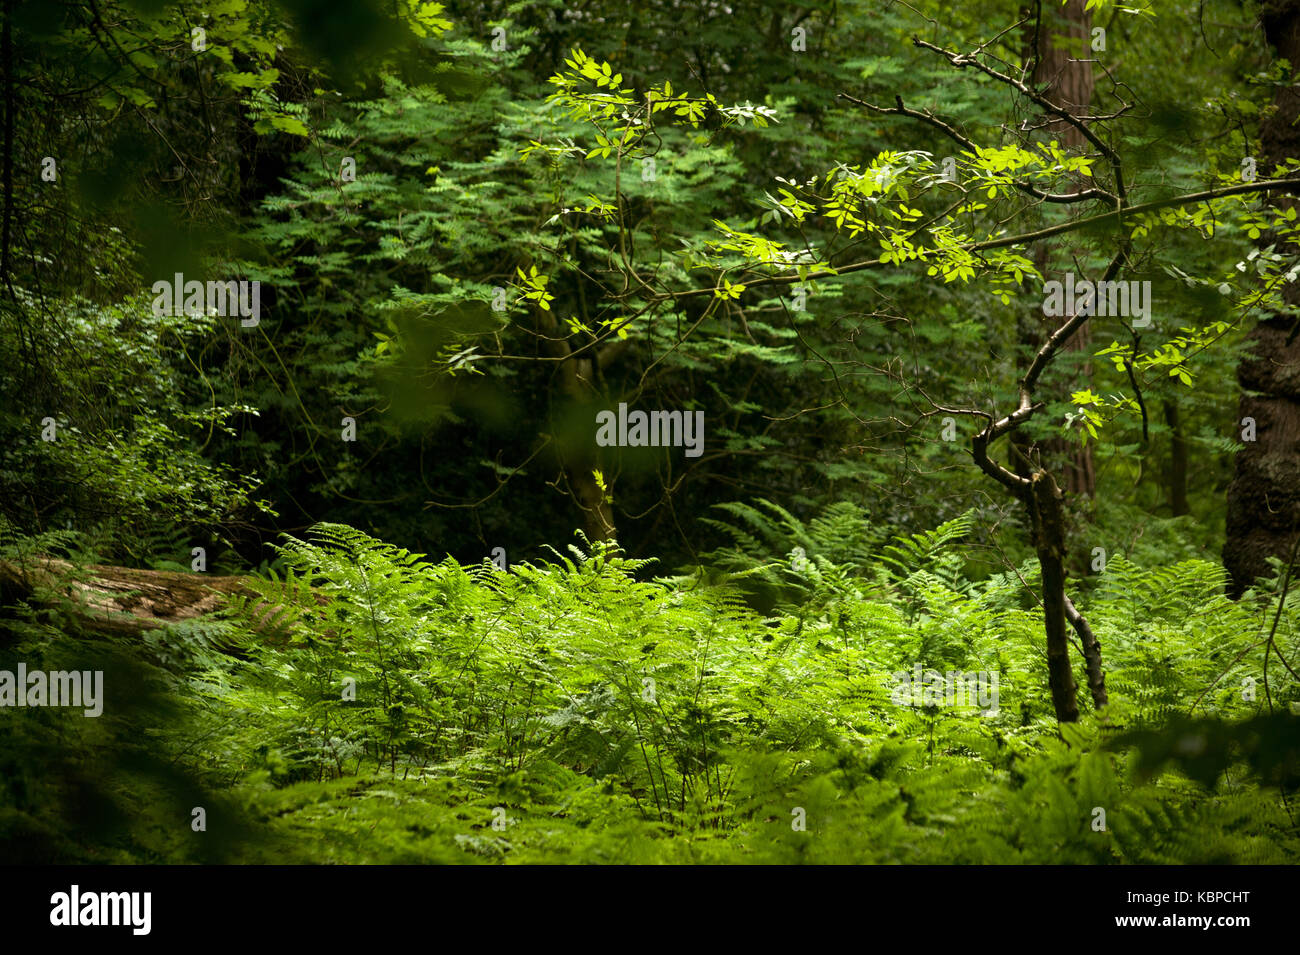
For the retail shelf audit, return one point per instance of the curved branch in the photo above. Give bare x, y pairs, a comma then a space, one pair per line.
1022, 238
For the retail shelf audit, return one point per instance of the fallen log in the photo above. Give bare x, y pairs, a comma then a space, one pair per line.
117, 600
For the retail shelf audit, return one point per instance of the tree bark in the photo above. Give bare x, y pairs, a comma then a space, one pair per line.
1264, 497
121, 601
1065, 77
1091, 654
1048, 524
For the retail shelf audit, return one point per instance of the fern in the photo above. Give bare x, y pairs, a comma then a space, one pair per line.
577, 700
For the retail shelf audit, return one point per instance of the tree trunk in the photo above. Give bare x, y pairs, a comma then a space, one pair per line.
1091, 655
1264, 497
1065, 78
1044, 500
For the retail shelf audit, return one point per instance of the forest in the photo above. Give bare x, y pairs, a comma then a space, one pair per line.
680, 432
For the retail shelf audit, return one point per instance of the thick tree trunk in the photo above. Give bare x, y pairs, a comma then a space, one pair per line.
1264, 497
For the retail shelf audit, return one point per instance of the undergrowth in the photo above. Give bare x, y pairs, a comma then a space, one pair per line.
381, 707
